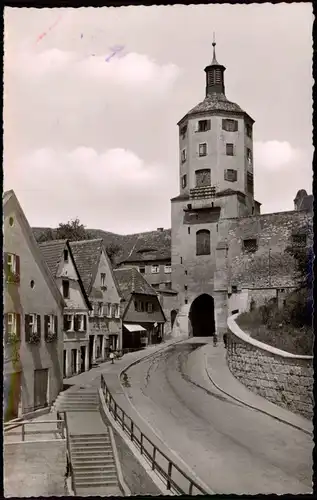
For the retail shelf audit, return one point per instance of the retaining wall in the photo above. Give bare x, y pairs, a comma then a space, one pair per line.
281, 377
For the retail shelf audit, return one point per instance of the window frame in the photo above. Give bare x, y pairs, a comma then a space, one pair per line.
200, 232
205, 149
169, 267
14, 323
250, 249
33, 322
102, 279
234, 174
226, 127
100, 310
203, 129
68, 295
184, 181
71, 322
12, 262
155, 266
248, 130
149, 307
231, 144
142, 269
183, 155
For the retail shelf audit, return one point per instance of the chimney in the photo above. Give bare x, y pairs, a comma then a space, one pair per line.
160, 229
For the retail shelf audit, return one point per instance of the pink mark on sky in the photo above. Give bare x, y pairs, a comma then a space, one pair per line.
42, 35
115, 51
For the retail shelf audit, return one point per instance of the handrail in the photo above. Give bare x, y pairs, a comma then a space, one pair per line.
9, 426
70, 471
121, 417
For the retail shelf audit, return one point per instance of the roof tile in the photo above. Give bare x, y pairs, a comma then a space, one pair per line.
52, 252
87, 254
131, 281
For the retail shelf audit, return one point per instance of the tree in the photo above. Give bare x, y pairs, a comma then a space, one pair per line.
47, 235
113, 250
73, 230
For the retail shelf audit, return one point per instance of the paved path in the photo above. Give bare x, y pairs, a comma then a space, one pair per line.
232, 448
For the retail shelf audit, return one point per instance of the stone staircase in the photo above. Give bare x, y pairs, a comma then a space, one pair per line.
91, 446
93, 464
80, 400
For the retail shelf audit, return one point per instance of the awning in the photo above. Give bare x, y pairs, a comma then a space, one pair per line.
134, 328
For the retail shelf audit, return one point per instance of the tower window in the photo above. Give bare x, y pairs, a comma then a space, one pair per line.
203, 149
65, 255
230, 125
248, 129
183, 131
230, 175
229, 149
249, 157
250, 245
183, 155
299, 240
184, 181
203, 177
250, 182
203, 242
203, 125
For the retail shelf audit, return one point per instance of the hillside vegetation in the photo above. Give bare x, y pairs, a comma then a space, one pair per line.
288, 328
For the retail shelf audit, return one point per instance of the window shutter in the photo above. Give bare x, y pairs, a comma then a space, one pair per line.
65, 323
46, 321
18, 323
27, 327
85, 322
38, 324
236, 125
17, 264
6, 326
56, 324
6, 266
196, 127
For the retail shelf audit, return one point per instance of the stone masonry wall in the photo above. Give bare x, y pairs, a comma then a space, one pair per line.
284, 380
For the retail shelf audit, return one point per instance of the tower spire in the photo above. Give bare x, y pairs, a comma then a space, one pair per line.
214, 74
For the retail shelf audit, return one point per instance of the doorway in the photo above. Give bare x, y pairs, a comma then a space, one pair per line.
202, 316
173, 317
74, 361
64, 364
40, 388
83, 358
91, 350
12, 393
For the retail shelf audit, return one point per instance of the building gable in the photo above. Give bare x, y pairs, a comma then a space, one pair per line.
105, 281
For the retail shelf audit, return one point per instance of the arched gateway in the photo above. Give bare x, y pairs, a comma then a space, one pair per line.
202, 316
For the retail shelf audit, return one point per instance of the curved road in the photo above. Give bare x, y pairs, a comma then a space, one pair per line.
230, 447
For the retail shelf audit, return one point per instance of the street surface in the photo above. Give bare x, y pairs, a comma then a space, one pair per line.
231, 448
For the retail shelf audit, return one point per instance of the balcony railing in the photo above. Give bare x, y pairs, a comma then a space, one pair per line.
203, 192
174, 478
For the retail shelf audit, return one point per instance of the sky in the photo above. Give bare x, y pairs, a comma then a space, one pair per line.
95, 136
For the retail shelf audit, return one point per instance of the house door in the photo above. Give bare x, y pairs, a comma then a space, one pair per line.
12, 395
40, 388
74, 361
83, 356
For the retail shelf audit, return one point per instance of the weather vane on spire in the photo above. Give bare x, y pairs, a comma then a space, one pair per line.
214, 60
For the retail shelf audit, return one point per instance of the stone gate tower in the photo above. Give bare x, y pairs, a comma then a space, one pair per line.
216, 182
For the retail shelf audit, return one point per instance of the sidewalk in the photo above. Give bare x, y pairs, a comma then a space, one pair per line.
219, 374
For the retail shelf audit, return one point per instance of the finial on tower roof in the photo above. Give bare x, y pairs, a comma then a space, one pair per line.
214, 60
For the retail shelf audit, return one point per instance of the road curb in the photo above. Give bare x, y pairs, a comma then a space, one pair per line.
250, 406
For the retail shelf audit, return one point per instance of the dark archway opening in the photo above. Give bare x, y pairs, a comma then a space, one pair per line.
173, 317
202, 316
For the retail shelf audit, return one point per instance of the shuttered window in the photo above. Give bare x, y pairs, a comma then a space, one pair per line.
230, 175
230, 125
203, 242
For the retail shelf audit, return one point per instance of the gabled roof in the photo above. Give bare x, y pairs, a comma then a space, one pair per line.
87, 255
10, 197
131, 281
151, 246
52, 252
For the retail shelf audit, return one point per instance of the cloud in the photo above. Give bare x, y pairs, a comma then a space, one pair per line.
105, 190
132, 69
273, 155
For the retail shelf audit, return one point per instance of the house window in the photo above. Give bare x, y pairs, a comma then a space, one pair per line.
248, 129
234, 289
185, 286
203, 177
12, 326
203, 242
80, 322
142, 269
186, 301
11, 323
167, 269
149, 307
12, 268
65, 285
183, 155
184, 181
230, 125
299, 240
203, 125
202, 149
155, 269
230, 175
188, 230
141, 306
12, 263
117, 310
102, 279
249, 157
68, 322
168, 285
182, 131
11, 221
229, 149
250, 245
250, 182
65, 255
100, 309
33, 323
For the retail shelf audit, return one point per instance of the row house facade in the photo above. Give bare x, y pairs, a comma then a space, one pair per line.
142, 314
33, 319
99, 282
60, 260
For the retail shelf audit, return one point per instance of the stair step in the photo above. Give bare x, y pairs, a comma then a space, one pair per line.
92, 466
92, 461
84, 436
90, 442
77, 408
111, 474
91, 449
91, 454
95, 481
